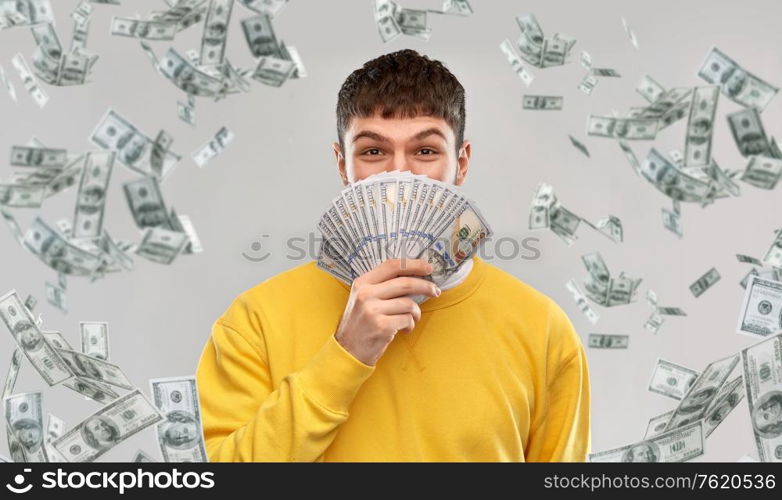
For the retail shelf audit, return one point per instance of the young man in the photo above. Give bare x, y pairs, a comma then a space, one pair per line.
302, 367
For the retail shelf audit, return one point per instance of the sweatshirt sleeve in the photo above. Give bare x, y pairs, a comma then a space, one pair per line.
561, 429
245, 418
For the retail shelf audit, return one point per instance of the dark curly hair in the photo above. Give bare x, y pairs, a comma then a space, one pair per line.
402, 84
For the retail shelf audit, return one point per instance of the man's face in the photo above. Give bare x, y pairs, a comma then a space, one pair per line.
423, 145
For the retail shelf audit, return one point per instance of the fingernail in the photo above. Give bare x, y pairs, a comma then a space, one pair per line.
437, 291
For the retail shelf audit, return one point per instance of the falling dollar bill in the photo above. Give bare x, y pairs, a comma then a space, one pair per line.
672, 222
546, 102
604, 341
95, 339
700, 126
673, 445
639, 129
143, 30
657, 424
579, 146
13, 373
587, 84
9, 87
273, 71
28, 156
582, 302
670, 379
24, 418
630, 33
55, 427
736, 83
95, 369
56, 252
515, 62
761, 311
180, 434
146, 203
727, 399
762, 172
650, 89
762, 365
106, 428
30, 84
214, 147
702, 392
28, 337
749, 133
91, 200
161, 245
705, 282
215, 32
56, 296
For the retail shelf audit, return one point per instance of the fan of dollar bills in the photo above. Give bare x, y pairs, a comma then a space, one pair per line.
399, 215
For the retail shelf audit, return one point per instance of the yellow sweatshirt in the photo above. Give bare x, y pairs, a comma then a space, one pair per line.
493, 371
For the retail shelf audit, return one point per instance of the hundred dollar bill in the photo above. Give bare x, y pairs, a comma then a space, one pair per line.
21, 195
670, 379
515, 62
270, 7
186, 112
55, 426
729, 397
705, 282
56, 252
639, 129
161, 245
749, 133
9, 87
133, 148
581, 301
95, 339
291, 53
579, 145
25, 156
187, 77
214, 147
385, 19
183, 224
588, 84
762, 364
180, 434
141, 457
702, 392
95, 369
672, 445
215, 32
259, 33
735, 82
13, 373
540, 210
91, 200
650, 89
672, 223
700, 126
143, 30
605, 72
90, 389
671, 311
25, 331
630, 33
30, 84
762, 172
657, 424
611, 226
56, 297
604, 341
773, 256
106, 428
273, 71
114, 253
542, 102
671, 180
761, 311
24, 418
146, 203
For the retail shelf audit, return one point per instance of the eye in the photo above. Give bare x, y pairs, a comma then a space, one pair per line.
371, 151
431, 151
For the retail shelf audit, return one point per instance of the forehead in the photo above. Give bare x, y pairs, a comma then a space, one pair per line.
398, 129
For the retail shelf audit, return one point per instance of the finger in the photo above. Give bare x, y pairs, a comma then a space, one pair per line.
400, 305
405, 285
392, 268
402, 322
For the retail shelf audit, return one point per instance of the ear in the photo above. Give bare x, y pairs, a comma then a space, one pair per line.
340, 163
463, 162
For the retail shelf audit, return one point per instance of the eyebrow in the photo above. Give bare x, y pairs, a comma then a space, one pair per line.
419, 136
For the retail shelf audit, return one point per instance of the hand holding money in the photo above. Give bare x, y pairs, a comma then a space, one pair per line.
378, 307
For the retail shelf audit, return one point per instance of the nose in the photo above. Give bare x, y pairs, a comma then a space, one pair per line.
400, 163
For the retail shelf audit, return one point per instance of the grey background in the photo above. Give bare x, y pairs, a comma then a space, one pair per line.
279, 174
